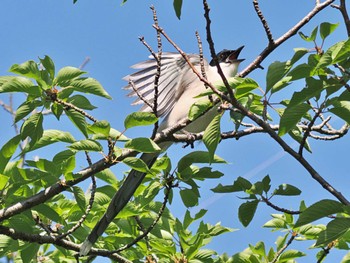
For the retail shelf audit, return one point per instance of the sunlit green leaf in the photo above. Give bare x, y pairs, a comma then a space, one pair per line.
211, 136
100, 127
89, 85
136, 164
86, 145
319, 210
78, 120
326, 29
33, 127
198, 108
66, 75
7, 151
79, 197
287, 189
197, 157
81, 102
26, 108
276, 71
144, 145
335, 229
139, 119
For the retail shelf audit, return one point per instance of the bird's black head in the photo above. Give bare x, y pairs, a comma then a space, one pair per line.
228, 56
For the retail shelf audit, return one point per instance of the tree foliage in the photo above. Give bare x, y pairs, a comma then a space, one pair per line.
45, 214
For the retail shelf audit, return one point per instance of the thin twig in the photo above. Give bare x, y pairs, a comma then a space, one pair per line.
212, 50
37, 238
344, 12
263, 22
256, 63
154, 223
279, 252
280, 209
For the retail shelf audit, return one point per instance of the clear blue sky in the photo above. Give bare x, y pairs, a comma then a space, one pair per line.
108, 33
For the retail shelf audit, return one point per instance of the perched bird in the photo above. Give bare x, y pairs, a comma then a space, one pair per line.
177, 88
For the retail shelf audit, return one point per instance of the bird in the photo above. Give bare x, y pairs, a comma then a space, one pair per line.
178, 87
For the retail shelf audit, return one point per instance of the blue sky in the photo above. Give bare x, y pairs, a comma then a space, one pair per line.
108, 33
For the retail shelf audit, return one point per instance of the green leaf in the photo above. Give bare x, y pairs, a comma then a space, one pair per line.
139, 119
136, 164
177, 7
341, 109
319, 210
211, 136
326, 29
49, 66
49, 137
197, 157
298, 136
144, 145
66, 75
247, 211
48, 212
29, 253
299, 53
300, 72
19, 84
7, 151
89, 85
276, 71
189, 197
86, 145
26, 108
240, 184
309, 38
287, 189
290, 254
81, 102
341, 51
113, 133
108, 176
79, 197
100, 127
335, 229
27, 69
199, 108
291, 116
78, 120
33, 127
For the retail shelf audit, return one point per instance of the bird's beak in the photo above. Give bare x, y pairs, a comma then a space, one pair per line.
233, 57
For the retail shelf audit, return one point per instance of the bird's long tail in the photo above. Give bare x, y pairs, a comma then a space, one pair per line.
119, 201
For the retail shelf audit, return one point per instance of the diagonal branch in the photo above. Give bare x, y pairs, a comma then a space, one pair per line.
263, 21
256, 63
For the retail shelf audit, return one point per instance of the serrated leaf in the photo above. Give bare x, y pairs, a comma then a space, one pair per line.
287, 189
86, 145
247, 211
319, 210
27, 69
290, 254
144, 145
79, 197
81, 102
19, 84
189, 197
78, 120
7, 151
108, 176
197, 157
100, 127
211, 136
49, 66
291, 116
66, 75
139, 119
276, 71
49, 137
136, 164
26, 108
33, 127
198, 108
341, 109
113, 133
326, 29
29, 253
89, 85
335, 229
177, 7
48, 212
